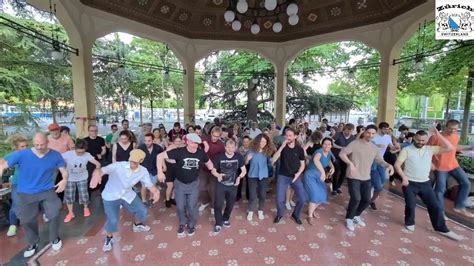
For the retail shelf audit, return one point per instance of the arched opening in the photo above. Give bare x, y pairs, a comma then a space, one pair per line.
338, 81
138, 79
236, 84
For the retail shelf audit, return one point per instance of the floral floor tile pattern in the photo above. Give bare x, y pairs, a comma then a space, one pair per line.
384, 241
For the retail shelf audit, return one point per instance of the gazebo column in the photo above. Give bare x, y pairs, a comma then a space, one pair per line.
188, 93
388, 86
280, 95
83, 88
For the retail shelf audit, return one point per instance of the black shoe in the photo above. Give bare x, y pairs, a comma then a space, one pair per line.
168, 203
373, 206
181, 230
296, 219
173, 201
191, 231
339, 191
226, 224
277, 219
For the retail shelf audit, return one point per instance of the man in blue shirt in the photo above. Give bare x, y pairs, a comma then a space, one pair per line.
38, 167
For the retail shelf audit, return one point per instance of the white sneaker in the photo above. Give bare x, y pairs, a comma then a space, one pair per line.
57, 244
410, 228
260, 215
30, 251
350, 224
45, 219
288, 206
292, 203
202, 207
212, 211
359, 221
107, 244
140, 228
250, 216
452, 235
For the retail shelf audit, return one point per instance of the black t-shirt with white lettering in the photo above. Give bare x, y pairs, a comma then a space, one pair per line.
229, 167
188, 164
290, 160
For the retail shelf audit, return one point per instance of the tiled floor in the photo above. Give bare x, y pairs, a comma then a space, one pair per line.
383, 241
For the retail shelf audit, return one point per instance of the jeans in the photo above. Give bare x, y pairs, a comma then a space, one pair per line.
282, 185
186, 196
13, 219
257, 190
340, 175
207, 186
359, 192
28, 209
112, 212
227, 194
464, 187
377, 177
427, 195
239, 189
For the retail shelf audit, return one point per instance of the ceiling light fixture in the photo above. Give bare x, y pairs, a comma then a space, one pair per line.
271, 10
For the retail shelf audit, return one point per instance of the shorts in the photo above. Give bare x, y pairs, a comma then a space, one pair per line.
70, 192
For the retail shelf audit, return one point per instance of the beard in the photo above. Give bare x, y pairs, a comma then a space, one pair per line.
419, 146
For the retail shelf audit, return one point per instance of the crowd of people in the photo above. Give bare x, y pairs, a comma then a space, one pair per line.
210, 166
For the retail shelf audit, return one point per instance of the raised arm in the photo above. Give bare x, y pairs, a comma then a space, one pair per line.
277, 154
445, 145
160, 163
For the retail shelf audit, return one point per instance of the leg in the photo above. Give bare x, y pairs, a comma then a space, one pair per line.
112, 213
70, 197
192, 201
282, 185
137, 208
410, 192
440, 188
211, 188
27, 211
52, 207
13, 219
428, 197
83, 193
247, 183
180, 197
377, 177
253, 185
464, 187
203, 187
143, 193
365, 187
289, 195
219, 203
311, 208
169, 190
355, 197
342, 176
300, 196
262, 193
230, 197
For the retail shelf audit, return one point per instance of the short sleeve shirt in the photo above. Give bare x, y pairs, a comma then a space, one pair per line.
290, 159
445, 161
384, 141
342, 141
229, 167
36, 174
94, 146
77, 165
258, 165
187, 164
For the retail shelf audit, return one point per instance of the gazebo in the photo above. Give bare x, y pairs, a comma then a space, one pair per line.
194, 28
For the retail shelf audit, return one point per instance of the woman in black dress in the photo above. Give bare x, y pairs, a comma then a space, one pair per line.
121, 151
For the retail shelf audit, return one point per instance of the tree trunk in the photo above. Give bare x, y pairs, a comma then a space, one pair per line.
53, 110
141, 110
467, 105
252, 101
151, 107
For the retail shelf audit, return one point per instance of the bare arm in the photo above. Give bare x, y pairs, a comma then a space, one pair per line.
300, 170
160, 164
62, 184
317, 162
3, 166
277, 154
398, 167
96, 163
114, 153
103, 151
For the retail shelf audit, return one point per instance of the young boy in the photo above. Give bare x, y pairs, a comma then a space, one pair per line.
76, 165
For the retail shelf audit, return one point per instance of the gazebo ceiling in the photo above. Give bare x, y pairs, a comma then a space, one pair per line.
204, 19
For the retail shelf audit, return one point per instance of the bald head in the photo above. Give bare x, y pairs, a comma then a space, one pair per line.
40, 142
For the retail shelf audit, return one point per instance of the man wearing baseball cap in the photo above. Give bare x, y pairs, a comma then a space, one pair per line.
189, 161
58, 142
118, 192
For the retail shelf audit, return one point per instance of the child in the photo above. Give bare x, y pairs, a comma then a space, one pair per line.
76, 162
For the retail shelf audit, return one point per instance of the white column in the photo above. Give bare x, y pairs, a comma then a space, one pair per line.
388, 86
280, 94
188, 93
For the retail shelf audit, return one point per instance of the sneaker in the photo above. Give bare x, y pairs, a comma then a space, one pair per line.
226, 224
191, 231
357, 220
11, 230
173, 201
250, 216
140, 228
260, 215
45, 219
292, 203
202, 207
181, 231
464, 212
393, 183
69, 217
452, 235
168, 203
107, 244
350, 224
30, 251
288, 206
212, 211
373, 206
87, 212
217, 229
57, 244
339, 191
410, 228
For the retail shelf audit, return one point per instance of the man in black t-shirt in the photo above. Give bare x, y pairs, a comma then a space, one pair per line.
151, 152
292, 163
96, 147
227, 164
189, 161
341, 140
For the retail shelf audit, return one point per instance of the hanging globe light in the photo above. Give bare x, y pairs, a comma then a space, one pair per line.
293, 20
255, 29
166, 75
56, 53
270, 4
277, 26
229, 16
242, 6
236, 25
292, 9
